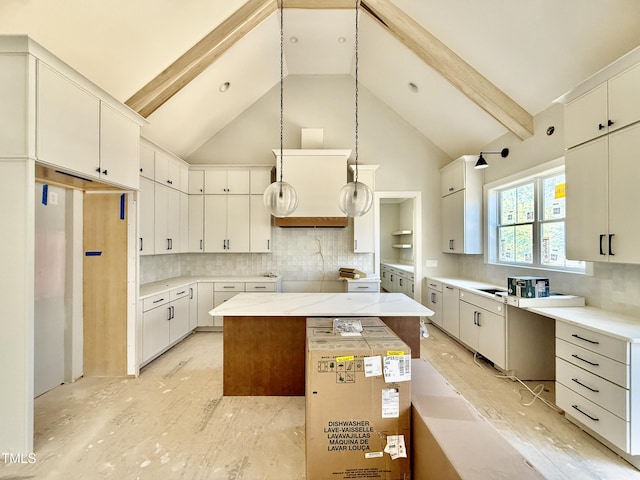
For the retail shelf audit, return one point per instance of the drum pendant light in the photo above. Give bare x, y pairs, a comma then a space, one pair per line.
280, 198
356, 198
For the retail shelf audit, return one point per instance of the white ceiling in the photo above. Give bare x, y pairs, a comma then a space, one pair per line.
534, 51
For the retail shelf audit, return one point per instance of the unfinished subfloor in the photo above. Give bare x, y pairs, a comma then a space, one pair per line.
173, 423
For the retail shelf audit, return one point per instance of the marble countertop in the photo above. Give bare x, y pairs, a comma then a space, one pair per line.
620, 326
152, 288
321, 304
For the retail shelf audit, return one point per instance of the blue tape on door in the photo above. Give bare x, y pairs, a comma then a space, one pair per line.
122, 207
92, 254
45, 194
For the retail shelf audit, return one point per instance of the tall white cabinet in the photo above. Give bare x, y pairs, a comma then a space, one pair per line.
461, 191
364, 225
603, 137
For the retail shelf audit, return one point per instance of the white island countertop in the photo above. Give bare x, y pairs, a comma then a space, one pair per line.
321, 304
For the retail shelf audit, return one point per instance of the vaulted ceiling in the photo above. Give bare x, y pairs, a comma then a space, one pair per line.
462, 72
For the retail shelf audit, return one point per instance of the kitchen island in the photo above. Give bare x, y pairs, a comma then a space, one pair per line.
264, 334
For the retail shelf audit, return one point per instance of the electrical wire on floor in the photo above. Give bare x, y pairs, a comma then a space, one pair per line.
536, 392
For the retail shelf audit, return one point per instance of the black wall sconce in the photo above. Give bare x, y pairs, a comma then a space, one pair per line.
482, 163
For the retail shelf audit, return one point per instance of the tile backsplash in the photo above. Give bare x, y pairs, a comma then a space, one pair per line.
311, 255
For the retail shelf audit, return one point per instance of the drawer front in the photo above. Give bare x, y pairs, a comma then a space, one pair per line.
177, 293
594, 341
434, 285
228, 287
601, 392
492, 306
362, 287
591, 415
155, 301
260, 286
595, 363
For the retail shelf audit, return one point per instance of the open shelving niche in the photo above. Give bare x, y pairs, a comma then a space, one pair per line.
402, 236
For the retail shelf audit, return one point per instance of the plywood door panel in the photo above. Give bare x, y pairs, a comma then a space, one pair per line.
105, 286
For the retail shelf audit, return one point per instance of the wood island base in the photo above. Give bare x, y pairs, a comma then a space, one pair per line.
265, 355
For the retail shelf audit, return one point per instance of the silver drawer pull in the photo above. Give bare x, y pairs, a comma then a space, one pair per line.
363, 287
593, 342
259, 286
595, 419
585, 361
228, 286
159, 300
585, 386
182, 292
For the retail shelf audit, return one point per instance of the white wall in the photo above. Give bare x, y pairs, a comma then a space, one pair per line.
408, 161
611, 287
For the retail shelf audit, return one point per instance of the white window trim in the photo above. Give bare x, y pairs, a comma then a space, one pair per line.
491, 214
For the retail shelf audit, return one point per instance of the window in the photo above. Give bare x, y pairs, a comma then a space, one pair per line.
527, 222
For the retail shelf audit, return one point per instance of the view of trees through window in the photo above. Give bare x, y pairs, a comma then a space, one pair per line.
531, 224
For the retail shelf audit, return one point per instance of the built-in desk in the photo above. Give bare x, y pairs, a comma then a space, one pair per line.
264, 334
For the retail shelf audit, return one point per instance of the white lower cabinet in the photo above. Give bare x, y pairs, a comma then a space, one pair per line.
165, 320
482, 327
596, 384
193, 306
205, 303
396, 280
434, 301
451, 310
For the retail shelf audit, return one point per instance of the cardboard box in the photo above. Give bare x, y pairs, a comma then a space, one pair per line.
528, 287
358, 403
451, 440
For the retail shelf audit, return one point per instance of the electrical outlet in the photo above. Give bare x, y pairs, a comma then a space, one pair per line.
431, 263
53, 198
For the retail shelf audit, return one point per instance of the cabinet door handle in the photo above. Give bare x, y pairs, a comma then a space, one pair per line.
593, 342
170, 182
200, 244
610, 239
595, 419
168, 313
181, 293
256, 287
158, 301
141, 243
448, 287
451, 189
104, 171
594, 390
601, 251
268, 244
433, 298
400, 282
98, 169
585, 361
229, 286
601, 126
609, 123
190, 293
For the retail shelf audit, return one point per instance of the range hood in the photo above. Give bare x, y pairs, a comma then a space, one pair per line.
317, 174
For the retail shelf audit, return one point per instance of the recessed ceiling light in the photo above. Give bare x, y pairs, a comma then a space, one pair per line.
413, 87
224, 86
341, 39
293, 39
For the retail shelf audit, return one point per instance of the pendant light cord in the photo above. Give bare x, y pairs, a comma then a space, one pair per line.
356, 92
281, 89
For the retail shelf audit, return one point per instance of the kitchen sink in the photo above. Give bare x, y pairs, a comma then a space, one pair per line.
491, 291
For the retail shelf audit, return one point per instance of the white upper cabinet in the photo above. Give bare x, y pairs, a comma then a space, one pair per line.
364, 225
231, 181
461, 188
605, 108
16, 104
147, 161
196, 182
260, 232
119, 143
68, 124
260, 180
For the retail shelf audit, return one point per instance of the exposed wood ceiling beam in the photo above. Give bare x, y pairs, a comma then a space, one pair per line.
431, 50
199, 57
453, 68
